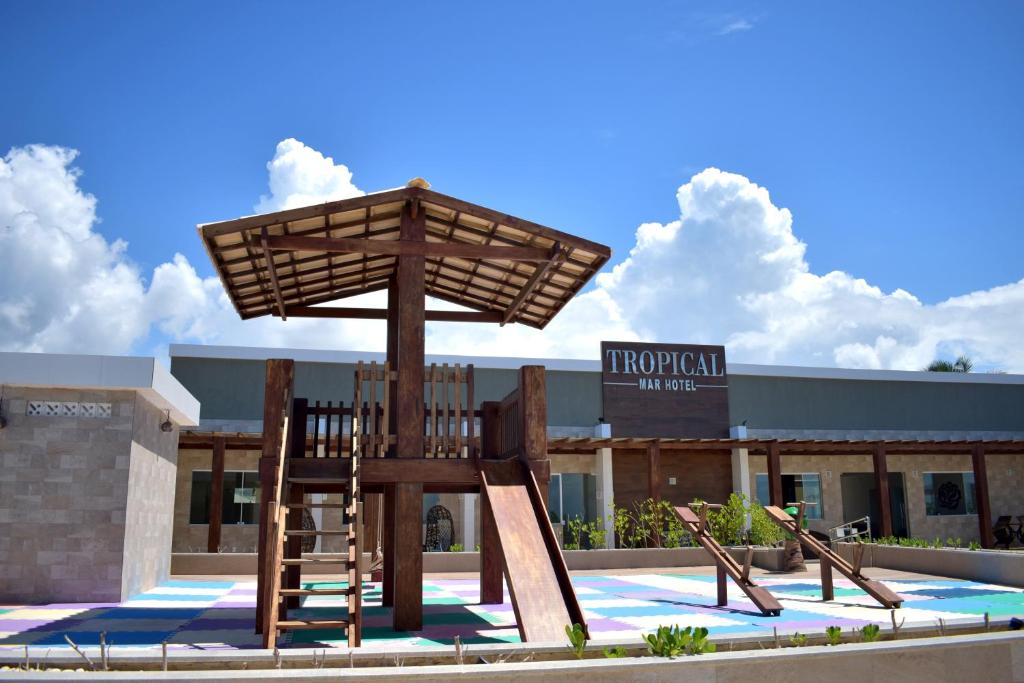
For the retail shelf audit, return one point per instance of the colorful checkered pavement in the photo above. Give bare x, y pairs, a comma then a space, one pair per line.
211, 615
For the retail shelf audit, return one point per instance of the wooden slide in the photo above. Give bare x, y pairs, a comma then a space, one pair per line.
828, 559
696, 525
538, 579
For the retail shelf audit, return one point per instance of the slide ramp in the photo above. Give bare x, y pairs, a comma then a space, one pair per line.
538, 580
829, 559
696, 525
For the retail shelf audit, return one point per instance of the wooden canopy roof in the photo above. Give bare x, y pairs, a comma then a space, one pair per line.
504, 268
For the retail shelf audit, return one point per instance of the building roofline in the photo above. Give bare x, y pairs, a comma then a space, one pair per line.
113, 373
589, 365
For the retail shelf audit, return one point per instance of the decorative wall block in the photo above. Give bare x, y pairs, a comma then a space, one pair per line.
68, 409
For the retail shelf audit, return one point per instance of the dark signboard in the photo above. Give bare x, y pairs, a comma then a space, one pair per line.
667, 390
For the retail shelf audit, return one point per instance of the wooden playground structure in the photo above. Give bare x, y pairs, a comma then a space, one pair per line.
409, 429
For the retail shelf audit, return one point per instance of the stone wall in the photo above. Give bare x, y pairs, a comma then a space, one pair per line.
1005, 480
149, 522
67, 500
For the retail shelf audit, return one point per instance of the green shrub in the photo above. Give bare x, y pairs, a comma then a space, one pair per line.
763, 531
834, 635
577, 639
455, 548
616, 652
798, 639
870, 633
672, 641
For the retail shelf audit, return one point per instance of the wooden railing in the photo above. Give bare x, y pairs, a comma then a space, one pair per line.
516, 426
449, 416
449, 412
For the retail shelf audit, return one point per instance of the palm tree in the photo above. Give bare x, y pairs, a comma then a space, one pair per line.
962, 364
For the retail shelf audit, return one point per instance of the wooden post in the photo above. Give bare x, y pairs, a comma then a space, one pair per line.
723, 586
654, 492
654, 471
882, 484
408, 497
533, 399
388, 546
774, 475
216, 495
392, 357
981, 495
408, 539
827, 592
490, 435
277, 397
491, 558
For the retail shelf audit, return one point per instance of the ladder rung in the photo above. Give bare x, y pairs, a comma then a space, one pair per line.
312, 591
299, 561
316, 505
309, 532
316, 480
295, 624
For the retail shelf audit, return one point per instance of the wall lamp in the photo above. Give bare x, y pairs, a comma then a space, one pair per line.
167, 425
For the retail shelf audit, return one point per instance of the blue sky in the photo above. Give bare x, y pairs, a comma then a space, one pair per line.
892, 131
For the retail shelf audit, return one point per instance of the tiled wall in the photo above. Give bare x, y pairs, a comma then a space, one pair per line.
67, 501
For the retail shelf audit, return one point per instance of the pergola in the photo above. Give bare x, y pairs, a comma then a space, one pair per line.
774, 449
413, 243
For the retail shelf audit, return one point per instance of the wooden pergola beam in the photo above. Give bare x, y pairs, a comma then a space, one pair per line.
349, 245
556, 257
272, 269
382, 314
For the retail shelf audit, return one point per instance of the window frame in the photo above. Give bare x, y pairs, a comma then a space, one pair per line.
812, 512
255, 475
973, 498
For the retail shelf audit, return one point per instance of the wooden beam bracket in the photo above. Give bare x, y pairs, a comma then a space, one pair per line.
268, 256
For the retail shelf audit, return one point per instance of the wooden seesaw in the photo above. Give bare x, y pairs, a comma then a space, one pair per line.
696, 524
829, 558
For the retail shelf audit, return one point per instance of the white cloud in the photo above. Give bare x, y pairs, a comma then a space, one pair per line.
736, 26
729, 270
300, 176
62, 285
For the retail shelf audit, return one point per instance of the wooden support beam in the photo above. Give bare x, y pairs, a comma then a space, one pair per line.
654, 471
268, 257
216, 494
774, 475
882, 485
388, 545
277, 398
981, 495
557, 256
408, 539
491, 558
405, 247
382, 314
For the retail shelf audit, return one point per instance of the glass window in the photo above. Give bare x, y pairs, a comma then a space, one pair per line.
555, 498
795, 487
241, 498
949, 493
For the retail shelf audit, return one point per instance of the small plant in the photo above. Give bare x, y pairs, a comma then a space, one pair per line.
699, 644
455, 548
870, 633
834, 635
668, 641
596, 533
798, 639
577, 639
616, 652
974, 545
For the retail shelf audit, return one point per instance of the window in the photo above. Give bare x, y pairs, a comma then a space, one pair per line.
949, 493
795, 487
241, 498
572, 495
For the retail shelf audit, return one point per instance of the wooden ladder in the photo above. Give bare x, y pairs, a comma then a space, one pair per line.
286, 559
